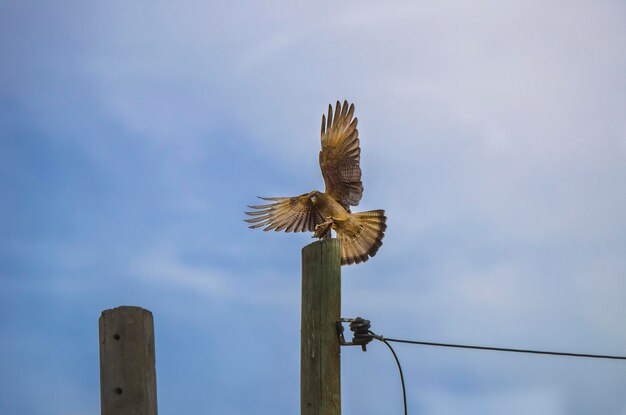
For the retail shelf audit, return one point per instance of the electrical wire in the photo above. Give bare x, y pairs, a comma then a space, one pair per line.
399, 369
362, 336
463, 346
502, 349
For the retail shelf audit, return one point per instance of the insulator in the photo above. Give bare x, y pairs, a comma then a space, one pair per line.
361, 329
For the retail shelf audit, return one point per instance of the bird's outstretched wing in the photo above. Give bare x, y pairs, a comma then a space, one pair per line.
340, 155
291, 214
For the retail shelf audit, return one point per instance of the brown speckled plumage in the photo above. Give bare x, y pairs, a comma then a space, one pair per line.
360, 233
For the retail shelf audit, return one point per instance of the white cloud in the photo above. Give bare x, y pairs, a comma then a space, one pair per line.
160, 268
163, 269
492, 133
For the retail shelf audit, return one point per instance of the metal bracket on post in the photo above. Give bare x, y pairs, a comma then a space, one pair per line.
361, 329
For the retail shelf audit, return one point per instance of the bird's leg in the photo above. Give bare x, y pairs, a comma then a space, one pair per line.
322, 230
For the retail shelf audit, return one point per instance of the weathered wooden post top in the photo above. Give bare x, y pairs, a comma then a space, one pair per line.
320, 380
127, 368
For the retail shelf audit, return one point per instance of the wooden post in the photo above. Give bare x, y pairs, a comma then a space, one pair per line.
127, 373
320, 380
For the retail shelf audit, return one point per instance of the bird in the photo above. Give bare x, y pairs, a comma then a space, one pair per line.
360, 234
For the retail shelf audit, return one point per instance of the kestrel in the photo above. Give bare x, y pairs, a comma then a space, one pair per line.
360, 234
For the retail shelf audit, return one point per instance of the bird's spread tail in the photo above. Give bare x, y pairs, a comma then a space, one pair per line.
362, 241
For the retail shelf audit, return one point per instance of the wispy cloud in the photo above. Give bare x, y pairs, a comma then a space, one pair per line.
493, 135
171, 273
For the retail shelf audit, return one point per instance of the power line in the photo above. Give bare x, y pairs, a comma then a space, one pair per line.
399, 369
363, 335
503, 349
464, 346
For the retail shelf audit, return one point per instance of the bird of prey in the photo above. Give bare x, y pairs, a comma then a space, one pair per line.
361, 233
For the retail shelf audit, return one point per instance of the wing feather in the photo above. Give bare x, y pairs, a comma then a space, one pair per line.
341, 154
291, 214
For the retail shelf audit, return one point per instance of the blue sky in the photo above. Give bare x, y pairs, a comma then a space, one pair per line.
133, 134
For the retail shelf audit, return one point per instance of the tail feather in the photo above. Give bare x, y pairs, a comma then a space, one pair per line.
362, 242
